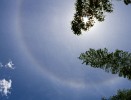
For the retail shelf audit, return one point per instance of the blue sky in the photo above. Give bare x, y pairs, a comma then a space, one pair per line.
36, 36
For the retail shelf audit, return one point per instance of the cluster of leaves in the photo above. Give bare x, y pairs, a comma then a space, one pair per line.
118, 62
127, 2
121, 95
92, 9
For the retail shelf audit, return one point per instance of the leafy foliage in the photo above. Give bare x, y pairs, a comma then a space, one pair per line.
127, 2
118, 62
92, 9
121, 95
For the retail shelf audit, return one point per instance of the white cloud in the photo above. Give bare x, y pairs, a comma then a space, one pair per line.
1, 65
5, 86
10, 65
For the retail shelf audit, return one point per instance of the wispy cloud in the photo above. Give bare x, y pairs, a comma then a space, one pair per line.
10, 65
1, 65
5, 86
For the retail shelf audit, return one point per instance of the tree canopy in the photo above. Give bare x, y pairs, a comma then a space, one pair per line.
121, 95
118, 62
92, 9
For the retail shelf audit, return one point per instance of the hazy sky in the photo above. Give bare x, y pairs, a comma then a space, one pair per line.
36, 36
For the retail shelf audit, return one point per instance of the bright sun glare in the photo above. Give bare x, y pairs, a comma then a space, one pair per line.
85, 19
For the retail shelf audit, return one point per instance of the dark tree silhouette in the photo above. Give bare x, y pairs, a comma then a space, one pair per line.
92, 9
127, 2
118, 62
121, 95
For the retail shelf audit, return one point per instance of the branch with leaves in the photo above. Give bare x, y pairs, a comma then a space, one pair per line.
118, 62
121, 95
92, 9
